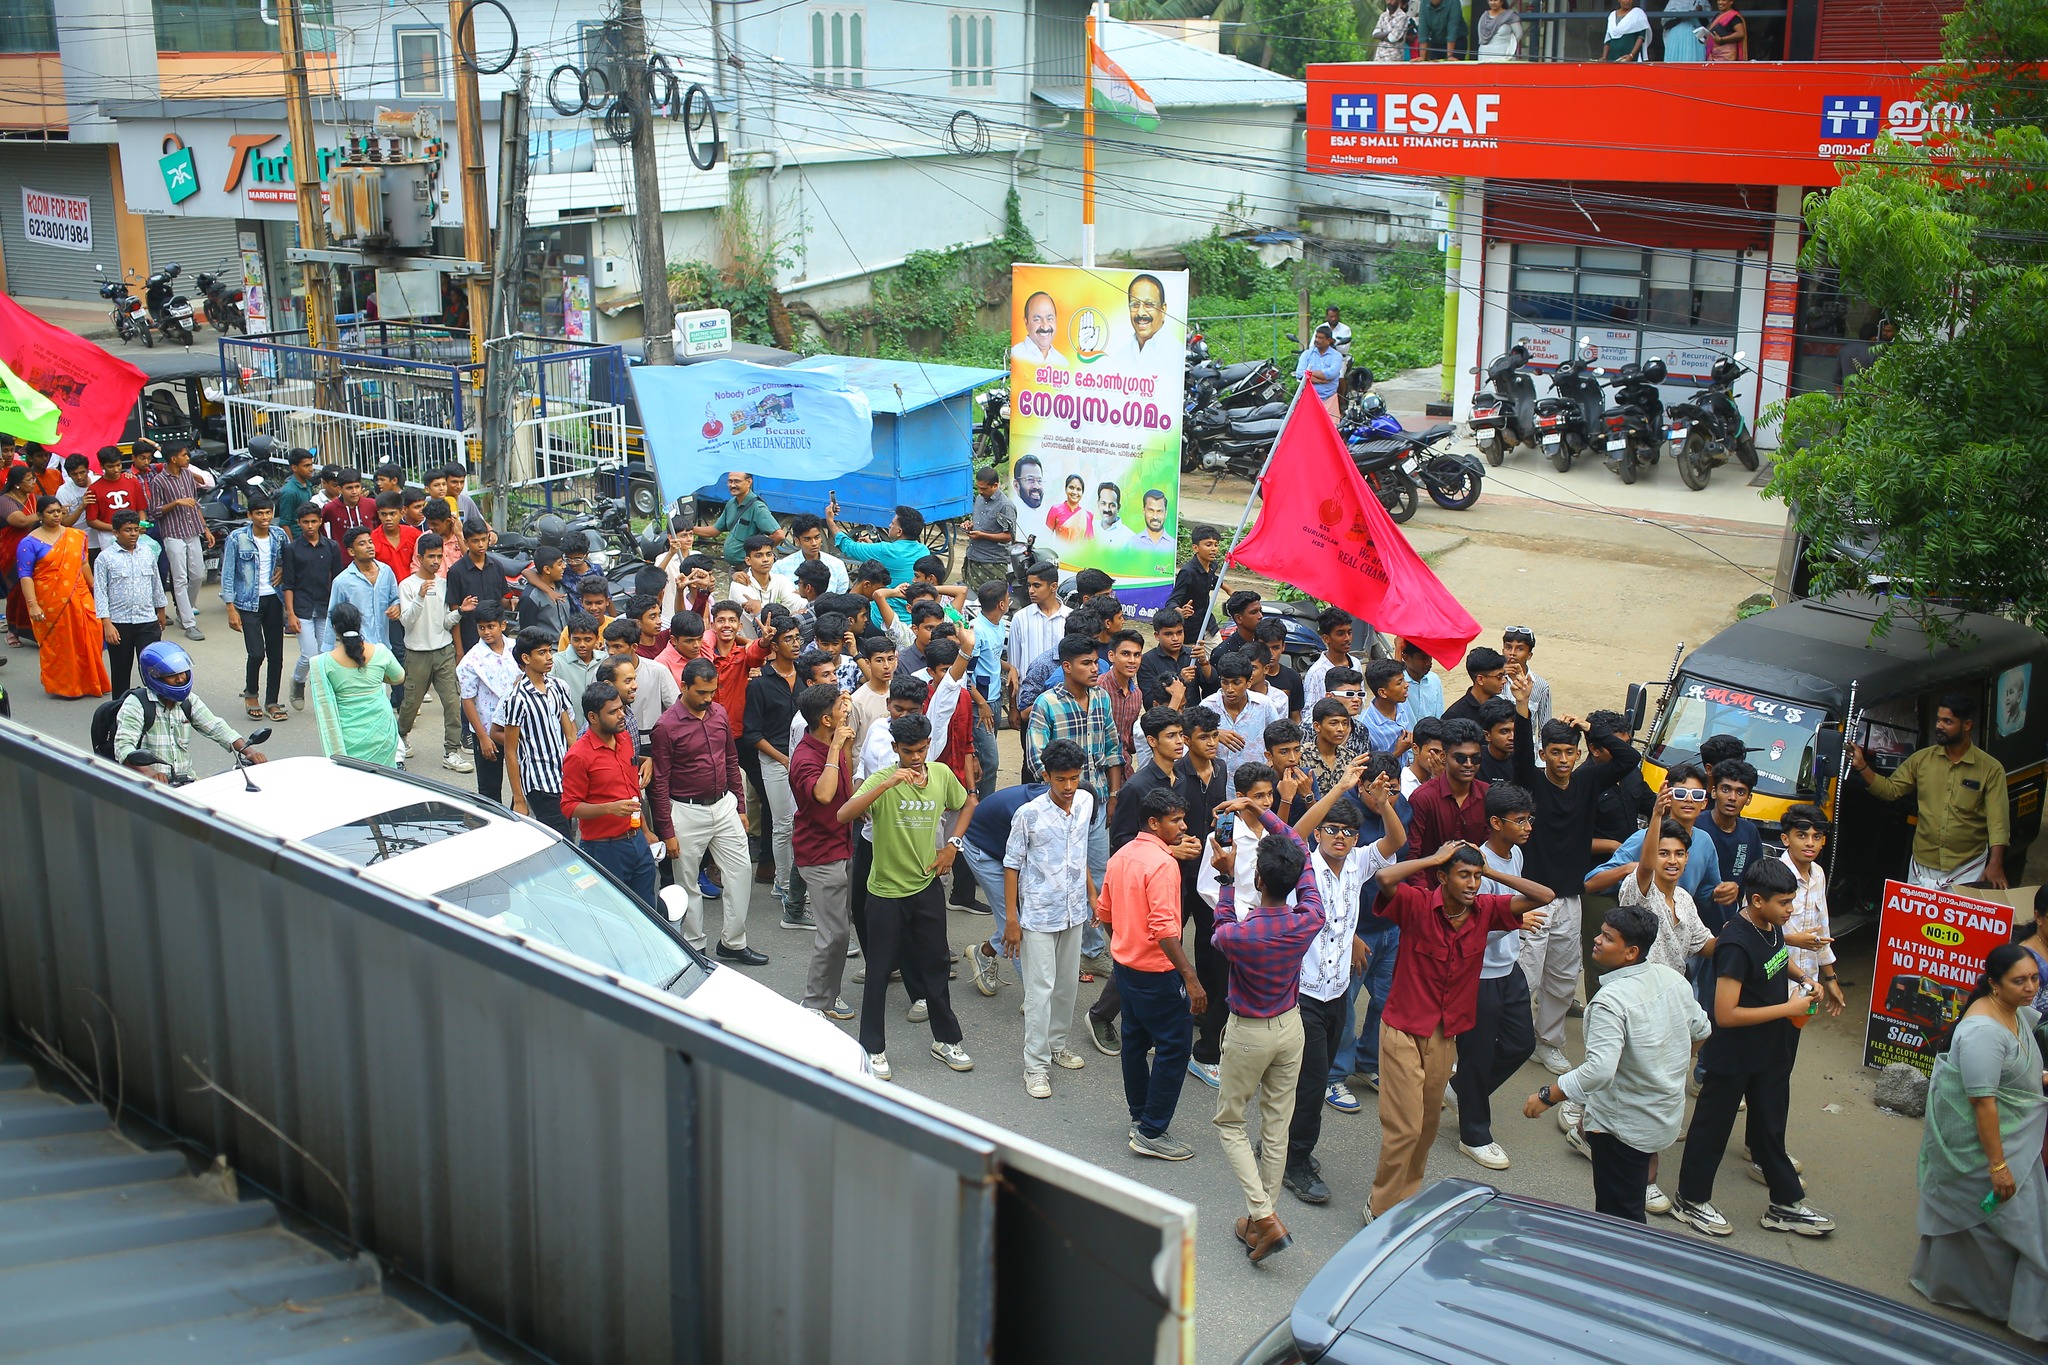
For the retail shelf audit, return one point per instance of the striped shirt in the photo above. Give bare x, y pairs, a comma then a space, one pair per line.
179, 523
538, 712
125, 587
1032, 633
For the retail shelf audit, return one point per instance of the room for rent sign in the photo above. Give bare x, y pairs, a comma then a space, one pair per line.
58, 220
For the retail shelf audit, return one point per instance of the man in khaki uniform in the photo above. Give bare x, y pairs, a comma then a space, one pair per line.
1965, 819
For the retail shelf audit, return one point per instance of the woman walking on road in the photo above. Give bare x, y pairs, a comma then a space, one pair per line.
1982, 1145
56, 587
350, 689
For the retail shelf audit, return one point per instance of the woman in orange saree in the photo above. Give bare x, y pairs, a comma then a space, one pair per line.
54, 579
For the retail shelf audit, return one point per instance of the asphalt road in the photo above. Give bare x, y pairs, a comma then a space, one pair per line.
1610, 588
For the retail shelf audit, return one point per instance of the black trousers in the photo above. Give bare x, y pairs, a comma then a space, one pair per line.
546, 807
1322, 1032
1502, 1037
857, 896
121, 655
907, 933
1769, 1092
490, 772
1621, 1176
263, 640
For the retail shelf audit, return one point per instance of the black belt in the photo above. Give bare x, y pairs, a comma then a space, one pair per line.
699, 800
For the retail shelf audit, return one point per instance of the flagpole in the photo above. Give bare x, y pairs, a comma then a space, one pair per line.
1215, 602
1088, 141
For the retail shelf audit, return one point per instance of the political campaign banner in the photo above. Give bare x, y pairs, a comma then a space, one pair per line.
1095, 419
1931, 947
704, 420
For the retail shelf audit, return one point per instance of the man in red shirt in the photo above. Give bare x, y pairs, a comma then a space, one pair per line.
115, 490
1452, 805
1435, 996
601, 793
821, 778
394, 539
350, 510
737, 661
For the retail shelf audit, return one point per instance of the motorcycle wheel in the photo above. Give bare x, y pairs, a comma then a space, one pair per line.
1561, 458
1190, 457
1494, 453
1456, 494
1694, 464
149, 338
1745, 451
1627, 467
1396, 492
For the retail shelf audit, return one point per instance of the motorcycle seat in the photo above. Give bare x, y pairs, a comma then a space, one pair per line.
1382, 447
1231, 374
1431, 435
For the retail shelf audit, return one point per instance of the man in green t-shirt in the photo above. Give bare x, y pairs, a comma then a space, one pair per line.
906, 911
745, 515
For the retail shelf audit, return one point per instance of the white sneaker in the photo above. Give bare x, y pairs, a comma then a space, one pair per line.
1702, 1218
1038, 1085
953, 1055
1209, 1074
1490, 1156
457, 762
920, 1010
1655, 1200
878, 1064
1553, 1060
1570, 1116
1068, 1060
1576, 1140
1339, 1097
404, 747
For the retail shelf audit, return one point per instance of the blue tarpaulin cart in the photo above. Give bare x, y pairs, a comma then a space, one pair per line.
923, 449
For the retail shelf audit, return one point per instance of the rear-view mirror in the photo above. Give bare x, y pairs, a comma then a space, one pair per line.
1636, 707
1827, 756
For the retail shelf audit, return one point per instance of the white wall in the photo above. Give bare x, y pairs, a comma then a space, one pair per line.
109, 52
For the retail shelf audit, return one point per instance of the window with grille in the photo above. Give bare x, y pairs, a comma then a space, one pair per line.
973, 41
837, 37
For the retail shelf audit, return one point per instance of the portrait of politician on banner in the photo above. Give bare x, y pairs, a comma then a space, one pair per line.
1095, 424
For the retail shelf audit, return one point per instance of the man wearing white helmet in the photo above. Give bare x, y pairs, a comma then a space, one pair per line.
160, 717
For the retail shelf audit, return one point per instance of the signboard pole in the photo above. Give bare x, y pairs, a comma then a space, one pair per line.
306, 175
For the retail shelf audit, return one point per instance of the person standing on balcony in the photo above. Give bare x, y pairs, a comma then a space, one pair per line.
1683, 41
1441, 26
1726, 36
1391, 32
1628, 34
1499, 31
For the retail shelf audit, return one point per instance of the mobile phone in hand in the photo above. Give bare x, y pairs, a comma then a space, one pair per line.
1226, 828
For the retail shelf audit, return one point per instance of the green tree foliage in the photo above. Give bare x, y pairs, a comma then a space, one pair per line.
1280, 35
1941, 445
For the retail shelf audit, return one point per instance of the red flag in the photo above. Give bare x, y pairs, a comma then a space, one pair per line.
1322, 530
94, 391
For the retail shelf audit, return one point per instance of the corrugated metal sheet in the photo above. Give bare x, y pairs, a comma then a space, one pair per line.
108, 1252
1179, 75
1881, 30
579, 1164
1696, 217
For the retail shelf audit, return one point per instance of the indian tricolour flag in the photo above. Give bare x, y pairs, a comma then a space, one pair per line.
1117, 95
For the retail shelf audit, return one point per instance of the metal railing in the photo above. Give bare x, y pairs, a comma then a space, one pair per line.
1248, 336
1578, 35
563, 1153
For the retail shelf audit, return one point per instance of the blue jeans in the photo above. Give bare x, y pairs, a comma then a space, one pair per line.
1156, 1016
986, 753
1094, 936
626, 858
1360, 1054
988, 874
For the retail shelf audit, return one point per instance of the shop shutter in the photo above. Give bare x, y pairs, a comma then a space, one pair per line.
1698, 217
197, 244
1881, 30
84, 171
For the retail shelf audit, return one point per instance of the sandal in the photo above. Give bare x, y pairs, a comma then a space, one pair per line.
277, 712
250, 707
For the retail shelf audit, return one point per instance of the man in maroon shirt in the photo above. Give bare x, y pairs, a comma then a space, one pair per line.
821, 778
695, 791
350, 510
1451, 806
1435, 996
601, 793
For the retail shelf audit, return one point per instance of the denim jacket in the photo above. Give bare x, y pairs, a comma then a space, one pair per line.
238, 561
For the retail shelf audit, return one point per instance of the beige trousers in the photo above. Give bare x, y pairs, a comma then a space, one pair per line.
1413, 1073
1262, 1057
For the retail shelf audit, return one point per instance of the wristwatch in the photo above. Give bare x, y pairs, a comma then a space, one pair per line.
958, 844
1548, 1098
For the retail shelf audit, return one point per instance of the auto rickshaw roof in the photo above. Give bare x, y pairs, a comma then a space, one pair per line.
1812, 650
197, 361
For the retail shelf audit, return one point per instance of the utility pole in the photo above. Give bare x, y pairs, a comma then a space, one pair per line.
298, 93
657, 306
500, 416
1088, 139
476, 202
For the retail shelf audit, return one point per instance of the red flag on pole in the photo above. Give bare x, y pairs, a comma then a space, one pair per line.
94, 391
1321, 529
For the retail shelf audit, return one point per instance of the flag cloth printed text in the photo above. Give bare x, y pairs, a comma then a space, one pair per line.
94, 391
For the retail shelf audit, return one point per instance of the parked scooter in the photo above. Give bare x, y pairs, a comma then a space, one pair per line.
1709, 428
1247, 384
1504, 420
223, 305
260, 469
125, 308
1635, 424
1215, 440
169, 313
1023, 559
1572, 421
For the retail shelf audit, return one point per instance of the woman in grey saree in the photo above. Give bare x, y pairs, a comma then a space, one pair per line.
1983, 1135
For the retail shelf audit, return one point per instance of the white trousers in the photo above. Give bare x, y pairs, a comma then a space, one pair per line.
1551, 960
1050, 965
718, 828
781, 820
187, 558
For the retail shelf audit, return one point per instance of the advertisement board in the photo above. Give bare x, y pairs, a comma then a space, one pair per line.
1095, 395
1931, 947
59, 220
1752, 123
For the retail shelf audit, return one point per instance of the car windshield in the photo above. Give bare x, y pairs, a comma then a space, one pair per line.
562, 899
1776, 732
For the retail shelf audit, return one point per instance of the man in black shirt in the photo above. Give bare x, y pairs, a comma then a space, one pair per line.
1618, 813
1749, 1057
1488, 671
478, 575
311, 560
1509, 755
1561, 847
1172, 657
765, 751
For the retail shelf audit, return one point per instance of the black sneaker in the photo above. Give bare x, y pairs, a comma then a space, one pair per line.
1304, 1184
1102, 1032
1799, 1218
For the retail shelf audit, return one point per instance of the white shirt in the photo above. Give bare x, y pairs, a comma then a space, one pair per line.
1250, 725
1032, 632
1680, 931
1326, 966
1028, 352
264, 547
1048, 848
1411, 778
424, 612
785, 567
1503, 946
1809, 912
69, 495
752, 596
1312, 681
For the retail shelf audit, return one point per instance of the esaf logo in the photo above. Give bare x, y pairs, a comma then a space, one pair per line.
1404, 113
1849, 118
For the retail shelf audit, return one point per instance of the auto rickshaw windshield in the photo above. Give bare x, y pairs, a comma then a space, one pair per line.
1777, 733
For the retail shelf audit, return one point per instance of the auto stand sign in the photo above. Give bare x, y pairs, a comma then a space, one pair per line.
1931, 947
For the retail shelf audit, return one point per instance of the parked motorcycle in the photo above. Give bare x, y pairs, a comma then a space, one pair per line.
1707, 429
169, 313
260, 469
1504, 420
992, 429
1023, 559
1572, 421
125, 308
1215, 440
1635, 424
1452, 481
1247, 384
223, 304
